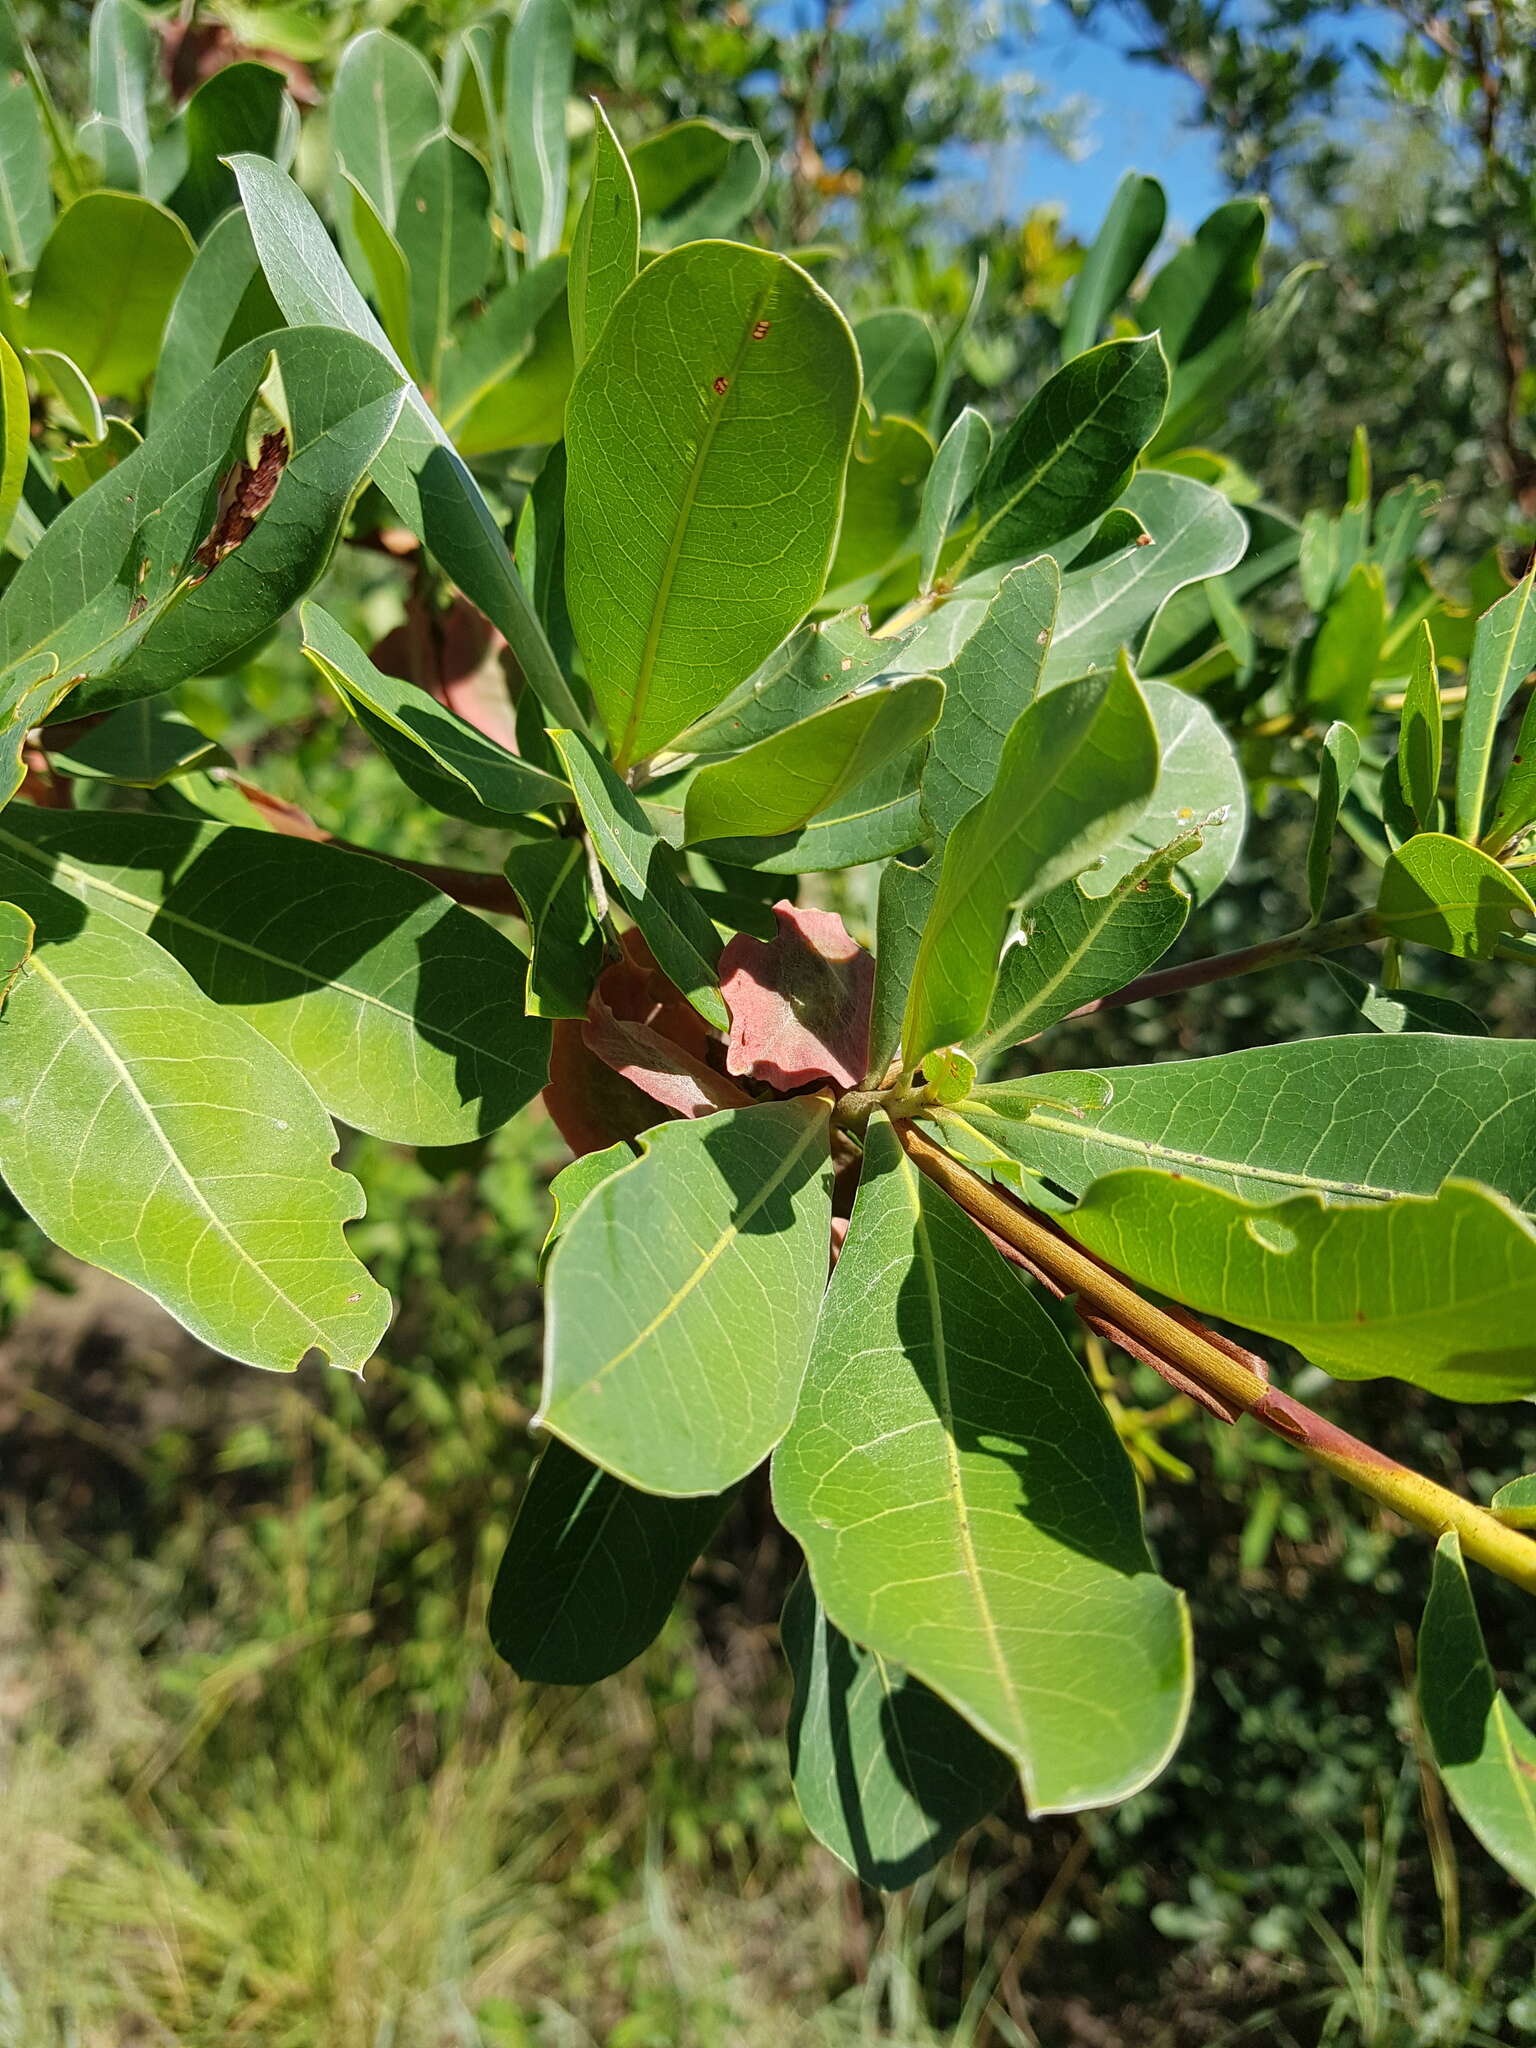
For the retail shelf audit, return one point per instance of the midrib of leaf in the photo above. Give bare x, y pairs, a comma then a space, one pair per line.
125, 1074
88, 882
727, 1237
951, 1455
1040, 473
680, 534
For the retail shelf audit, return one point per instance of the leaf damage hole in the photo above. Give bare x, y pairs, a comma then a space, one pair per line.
244, 495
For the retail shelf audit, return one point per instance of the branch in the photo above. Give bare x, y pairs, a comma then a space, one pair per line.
1356, 930
1201, 1359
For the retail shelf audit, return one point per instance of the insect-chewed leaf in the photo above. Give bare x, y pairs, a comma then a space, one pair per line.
1439, 1291
118, 591
966, 1509
1075, 774
104, 285
403, 1010
885, 1773
799, 1004
591, 1570
707, 439
1353, 1119
161, 1137
682, 1299
1485, 1753
1438, 891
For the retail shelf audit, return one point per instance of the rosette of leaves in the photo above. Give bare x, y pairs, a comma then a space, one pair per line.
711, 614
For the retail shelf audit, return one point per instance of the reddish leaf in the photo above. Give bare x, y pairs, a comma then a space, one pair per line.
655, 1064
799, 1002
636, 989
588, 1103
454, 655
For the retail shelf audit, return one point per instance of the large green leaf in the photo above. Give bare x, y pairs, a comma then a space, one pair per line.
1354, 1119
1132, 229
115, 593
682, 1298
224, 301
384, 107
444, 232
419, 469
539, 61
26, 201
1075, 774
1437, 891
403, 1011
1064, 458
789, 778
140, 746
455, 767
605, 249
966, 1509
1208, 283
644, 869
591, 1570
707, 438
1484, 1752
986, 686
1503, 654
241, 107
1076, 946
105, 281
886, 480
1438, 1291
1195, 532
886, 1775
161, 1137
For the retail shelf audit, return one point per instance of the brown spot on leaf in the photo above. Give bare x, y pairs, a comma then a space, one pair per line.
722, 385
761, 329
137, 609
243, 496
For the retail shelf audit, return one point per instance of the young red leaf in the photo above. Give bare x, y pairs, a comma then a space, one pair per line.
654, 1064
799, 1002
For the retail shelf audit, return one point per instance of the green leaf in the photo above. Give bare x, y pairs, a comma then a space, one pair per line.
141, 746
822, 660
84, 463
540, 56
886, 478
572, 1185
879, 816
123, 52
1335, 772
1440, 1292
1503, 655
1204, 385
15, 433
886, 1775
1065, 457
474, 61
401, 1009
387, 267
682, 1299
1209, 282
1403, 1009
901, 911
966, 1509
1420, 736
605, 249
444, 759
1355, 1119
1132, 229
1078, 768
1195, 533
1115, 532
114, 591
1201, 798
444, 232
506, 377
26, 200
419, 470
1348, 646
105, 281
1515, 811
707, 436
990, 681
674, 924
224, 301
384, 107
1437, 891
1485, 1754
238, 108
786, 780
591, 1570
16, 935
956, 471
900, 358
1516, 1502
697, 180
57, 374
1076, 947
550, 877
162, 1138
